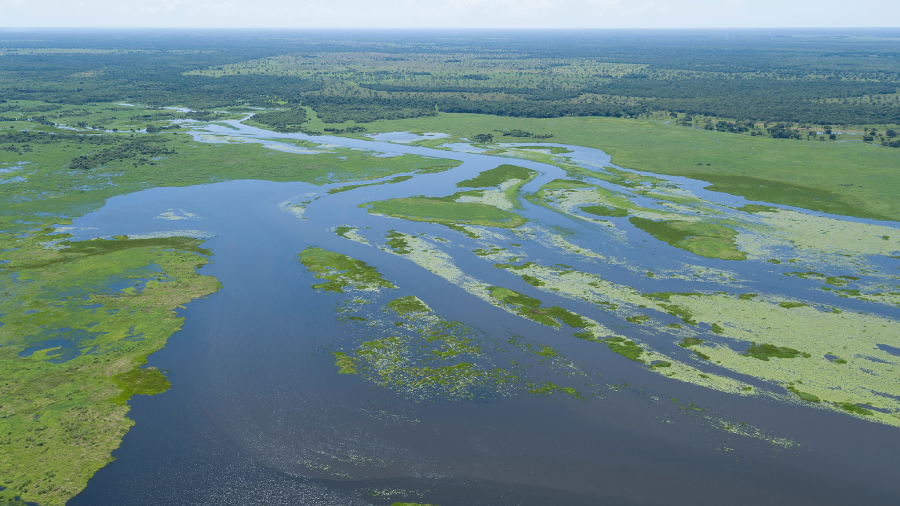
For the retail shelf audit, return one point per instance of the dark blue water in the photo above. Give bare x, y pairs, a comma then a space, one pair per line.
255, 393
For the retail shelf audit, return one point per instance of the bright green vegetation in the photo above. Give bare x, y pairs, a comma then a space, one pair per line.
462, 230
498, 176
767, 351
705, 239
651, 145
531, 280
345, 364
667, 296
805, 275
397, 242
791, 305
550, 388
488, 252
626, 179
409, 349
97, 118
446, 211
830, 280
680, 311
615, 212
50, 187
855, 409
566, 184
408, 304
687, 342
752, 188
428, 357
626, 348
394, 180
804, 395
799, 340
77, 325
341, 271
147, 381
530, 308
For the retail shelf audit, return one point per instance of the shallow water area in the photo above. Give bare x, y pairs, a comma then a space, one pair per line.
406, 137
258, 411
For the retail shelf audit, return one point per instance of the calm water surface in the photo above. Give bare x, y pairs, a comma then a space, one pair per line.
255, 392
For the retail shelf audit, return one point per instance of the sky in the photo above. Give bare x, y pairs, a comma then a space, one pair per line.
448, 13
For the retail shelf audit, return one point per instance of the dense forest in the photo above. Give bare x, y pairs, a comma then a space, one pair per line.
789, 77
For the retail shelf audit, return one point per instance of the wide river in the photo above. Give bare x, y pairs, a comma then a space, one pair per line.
257, 412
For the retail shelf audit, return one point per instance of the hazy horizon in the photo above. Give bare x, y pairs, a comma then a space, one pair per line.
449, 14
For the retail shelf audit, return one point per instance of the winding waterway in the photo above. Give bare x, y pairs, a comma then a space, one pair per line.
258, 414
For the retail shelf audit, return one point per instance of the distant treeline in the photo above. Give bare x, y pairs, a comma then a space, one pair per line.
763, 75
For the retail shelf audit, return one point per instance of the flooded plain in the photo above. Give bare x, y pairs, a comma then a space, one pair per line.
564, 331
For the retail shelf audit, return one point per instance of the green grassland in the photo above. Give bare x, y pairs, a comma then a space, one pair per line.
78, 323
853, 179
615, 212
532, 309
98, 117
497, 176
708, 240
46, 183
446, 211
500, 175
345, 188
340, 271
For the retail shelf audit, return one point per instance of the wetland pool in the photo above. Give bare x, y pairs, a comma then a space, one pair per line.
287, 392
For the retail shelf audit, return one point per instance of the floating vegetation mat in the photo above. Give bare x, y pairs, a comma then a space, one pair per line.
810, 350
401, 344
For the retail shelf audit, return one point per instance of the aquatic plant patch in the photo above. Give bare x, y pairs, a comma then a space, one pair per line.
439, 210
340, 271
76, 326
705, 239
498, 176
